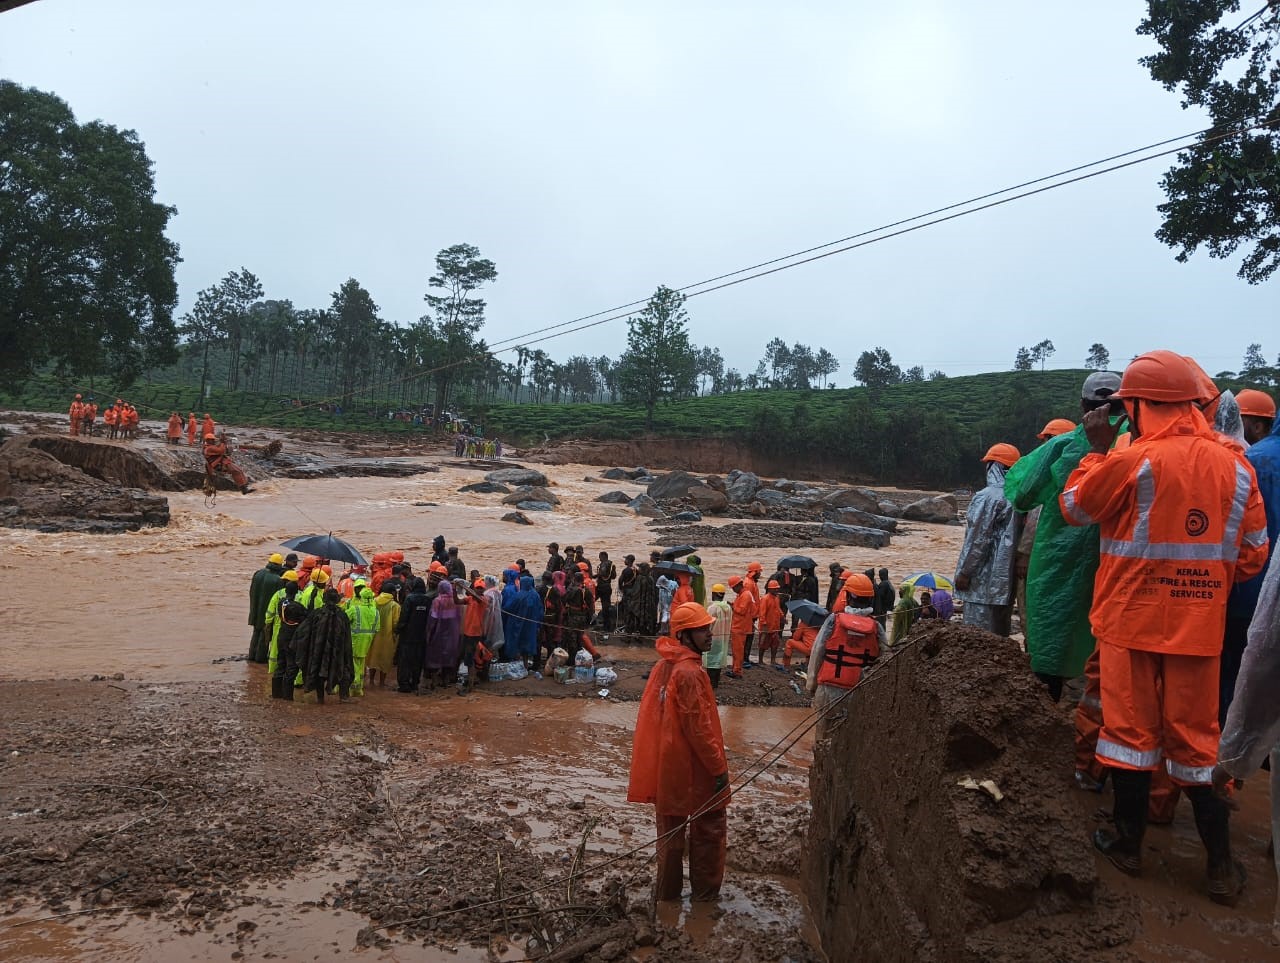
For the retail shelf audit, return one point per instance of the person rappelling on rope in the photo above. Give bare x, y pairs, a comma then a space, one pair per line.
216, 460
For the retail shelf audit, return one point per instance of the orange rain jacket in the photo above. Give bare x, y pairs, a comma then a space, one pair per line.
744, 614
1180, 520
191, 429
770, 613
679, 749
175, 426
208, 427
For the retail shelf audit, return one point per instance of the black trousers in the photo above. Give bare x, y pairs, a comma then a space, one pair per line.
605, 594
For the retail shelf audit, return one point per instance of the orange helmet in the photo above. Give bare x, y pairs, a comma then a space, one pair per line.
1163, 376
1256, 404
1003, 453
689, 615
77, 397
754, 567
859, 586
772, 584
1058, 426
735, 581
210, 436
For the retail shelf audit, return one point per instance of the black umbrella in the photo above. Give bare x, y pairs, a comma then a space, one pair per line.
326, 546
797, 561
678, 551
672, 567
810, 613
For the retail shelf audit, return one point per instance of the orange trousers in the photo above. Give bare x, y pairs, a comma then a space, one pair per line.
1165, 793
795, 645
226, 466
1159, 707
707, 841
738, 645
770, 641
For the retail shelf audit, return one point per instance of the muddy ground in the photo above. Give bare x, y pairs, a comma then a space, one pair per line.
197, 819
202, 820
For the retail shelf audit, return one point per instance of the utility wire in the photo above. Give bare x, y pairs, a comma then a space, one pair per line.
863, 239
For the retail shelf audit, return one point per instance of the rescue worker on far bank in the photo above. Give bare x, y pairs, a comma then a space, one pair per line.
76, 414
848, 642
1180, 519
678, 761
985, 570
216, 460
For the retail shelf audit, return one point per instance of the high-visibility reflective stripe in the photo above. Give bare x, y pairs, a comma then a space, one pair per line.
1256, 539
1090, 702
1239, 502
1073, 510
1193, 774
1178, 551
1140, 546
1145, 498
1127, 756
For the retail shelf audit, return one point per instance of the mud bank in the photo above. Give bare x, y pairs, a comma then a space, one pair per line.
903, 863
697, 455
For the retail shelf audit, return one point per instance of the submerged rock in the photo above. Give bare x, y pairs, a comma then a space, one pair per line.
517, 476
518, 518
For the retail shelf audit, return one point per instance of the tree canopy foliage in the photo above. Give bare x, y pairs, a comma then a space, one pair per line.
86, 272
1225, 192
660, 363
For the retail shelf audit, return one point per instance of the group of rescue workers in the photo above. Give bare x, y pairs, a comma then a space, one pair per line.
1135, 546
120, 419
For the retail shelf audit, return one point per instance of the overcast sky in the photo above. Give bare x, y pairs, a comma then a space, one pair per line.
595, 150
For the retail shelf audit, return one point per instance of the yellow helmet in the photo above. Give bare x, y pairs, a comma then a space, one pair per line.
718, 589
320, 577
290, 576
276, 558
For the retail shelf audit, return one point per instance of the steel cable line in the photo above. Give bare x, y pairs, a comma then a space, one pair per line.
524, 341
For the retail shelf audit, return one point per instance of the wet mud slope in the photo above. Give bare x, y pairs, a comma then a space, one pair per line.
905, 863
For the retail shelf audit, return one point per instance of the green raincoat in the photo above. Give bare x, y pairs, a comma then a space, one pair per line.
363, 613
1064, 558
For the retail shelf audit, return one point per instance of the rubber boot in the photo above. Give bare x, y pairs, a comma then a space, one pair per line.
286, 688
277, 687
1213, 822
320, 694
1124, 847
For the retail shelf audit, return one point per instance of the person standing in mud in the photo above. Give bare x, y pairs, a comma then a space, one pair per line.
644, 603
443, 648
382, 654
411, 634
456, 567
191, 429
173, 434
678, 761
626, 583
272, 624
292, 618
606, 572
76, 415
578, 609
848, 642
555, 561
266, 582
838, 575
322, 647
985, 569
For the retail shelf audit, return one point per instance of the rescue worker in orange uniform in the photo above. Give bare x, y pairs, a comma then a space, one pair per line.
769, 614
1180, 519
847, 643
76, 414
678, 762
752, 584
191, 428
801, 642
744, 613
216, 460
90, 415
208, 427
174, 432
109, 419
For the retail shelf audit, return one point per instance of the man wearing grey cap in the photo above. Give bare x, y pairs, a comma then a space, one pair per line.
1064, 558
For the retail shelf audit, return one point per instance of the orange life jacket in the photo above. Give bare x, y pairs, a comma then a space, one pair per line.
852, 647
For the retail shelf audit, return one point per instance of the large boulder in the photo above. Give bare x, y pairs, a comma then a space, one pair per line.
534, 506
707, 499
616, 474
486, 488
771, 496
646, 506
851, 516
940, 509
890, 509
672, 486
531, 493
517, 476
741, 487
614, 498
716, 482
855, 535
859, 498
518, 518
